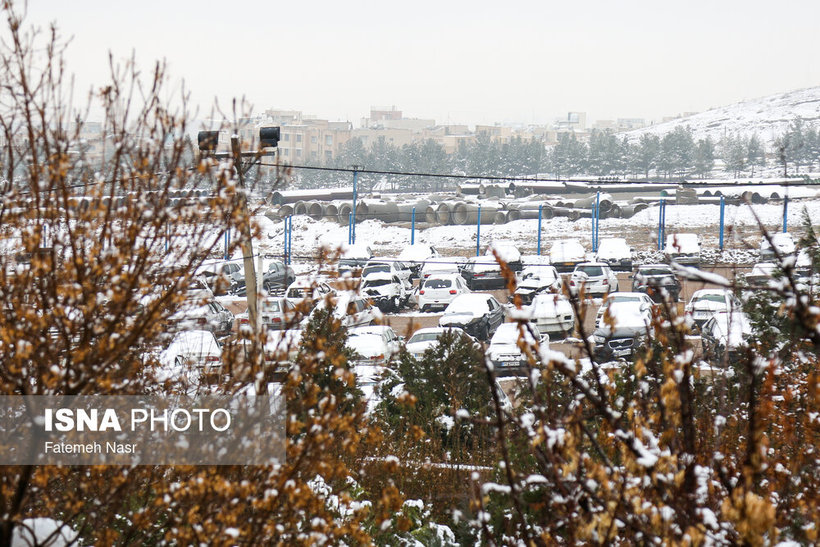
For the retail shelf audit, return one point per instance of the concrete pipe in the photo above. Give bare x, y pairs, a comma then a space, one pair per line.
443, 214
561, 211
500, 217
513, 214
467, 213
469, 189
343, 213
362, 211
604, 204
386, 211
430, 215
300, 208
494, 191
574, 214
774, 195
314, 210
285, 211
628, 211
615, 211
330, 211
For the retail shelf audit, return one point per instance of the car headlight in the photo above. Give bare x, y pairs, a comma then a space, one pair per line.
598, 339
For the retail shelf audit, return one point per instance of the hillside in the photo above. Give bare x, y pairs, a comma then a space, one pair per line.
768, 117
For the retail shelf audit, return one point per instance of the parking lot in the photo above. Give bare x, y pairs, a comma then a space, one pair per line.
406, 322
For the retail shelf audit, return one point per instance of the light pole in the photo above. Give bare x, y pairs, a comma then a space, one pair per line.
268, 138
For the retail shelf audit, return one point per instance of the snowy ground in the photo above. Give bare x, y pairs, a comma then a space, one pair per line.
741, 231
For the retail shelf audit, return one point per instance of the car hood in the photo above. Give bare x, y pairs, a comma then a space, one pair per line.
459, 318
498, 350
707, 305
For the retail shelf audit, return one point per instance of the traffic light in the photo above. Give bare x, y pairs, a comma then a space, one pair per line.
207, 140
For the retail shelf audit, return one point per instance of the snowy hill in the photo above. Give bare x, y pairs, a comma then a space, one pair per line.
768, 117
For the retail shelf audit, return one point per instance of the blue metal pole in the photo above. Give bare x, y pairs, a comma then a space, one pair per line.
285, 246
413, 227
785, 213
290, 239
596, 215
660, 225
353, 212
539, 229
478, 232
722, 214
350, 228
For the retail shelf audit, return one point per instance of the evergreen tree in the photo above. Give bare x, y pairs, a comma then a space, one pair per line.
734, 154
755, 155
647, 154
704, 157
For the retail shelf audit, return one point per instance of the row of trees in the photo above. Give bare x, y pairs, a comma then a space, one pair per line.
675, 155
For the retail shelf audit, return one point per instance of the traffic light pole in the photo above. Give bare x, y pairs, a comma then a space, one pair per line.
247, 243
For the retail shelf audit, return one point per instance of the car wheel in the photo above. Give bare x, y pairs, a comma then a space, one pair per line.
484, 332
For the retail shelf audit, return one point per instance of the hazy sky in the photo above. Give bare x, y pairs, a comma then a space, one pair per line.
457, 61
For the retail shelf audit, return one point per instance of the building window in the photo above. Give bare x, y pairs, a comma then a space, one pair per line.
328, 140
287, 152
328, 155
314, 155
298, 152
298, 137
286, 137
313, 139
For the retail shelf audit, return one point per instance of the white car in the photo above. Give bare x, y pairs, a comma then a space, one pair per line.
389, 266
707, 302
424, 339
783, 244
193, 349
725, 334
639, 298
537, 280
478, 314
438, 290
313, 289
683, 249
597, 278
504, 352
631, 324
385, 290
416, 255
565, 254
552, 313
350, 309
442, 264
615, 252
195, 315
373, 345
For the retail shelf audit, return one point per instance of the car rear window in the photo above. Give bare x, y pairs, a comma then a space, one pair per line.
377, 283
378, 268
592, 271
270, 306
710, 298
438, 284
655, 271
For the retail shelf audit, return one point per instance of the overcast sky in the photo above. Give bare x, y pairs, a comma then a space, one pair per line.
458, 61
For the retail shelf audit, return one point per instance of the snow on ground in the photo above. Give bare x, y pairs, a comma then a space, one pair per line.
640, 230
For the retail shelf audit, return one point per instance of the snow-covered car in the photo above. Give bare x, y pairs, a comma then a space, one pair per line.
373, 345
783, 244
314, 289
483, 273
416, 255
354, 257
389, 266
565, 254
656, 280
504, 352
385, 290
615, 252
551, 313
631, 326
707, 302
442, 264
477, 314
762, 273
198, 291
537, 280
275, 313
438, 290
193, 315
192, 349
275, 279
621, 297
426, 338
220, 275
282, 346
724, 335
596, 278
506, 251
683, 249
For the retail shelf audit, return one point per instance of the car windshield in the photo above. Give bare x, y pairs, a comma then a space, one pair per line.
623, 298
377, 283
296, 292
591, 271
468, 305
438, 284
424, 337
655, 271
709, 298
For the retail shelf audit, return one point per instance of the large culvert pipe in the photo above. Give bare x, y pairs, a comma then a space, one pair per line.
314, 210
300, 208
343, 213
604, 204
430, 215
330, 211
469, 189
285, 211
628, 211
500, 217
513, 214
443, 214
